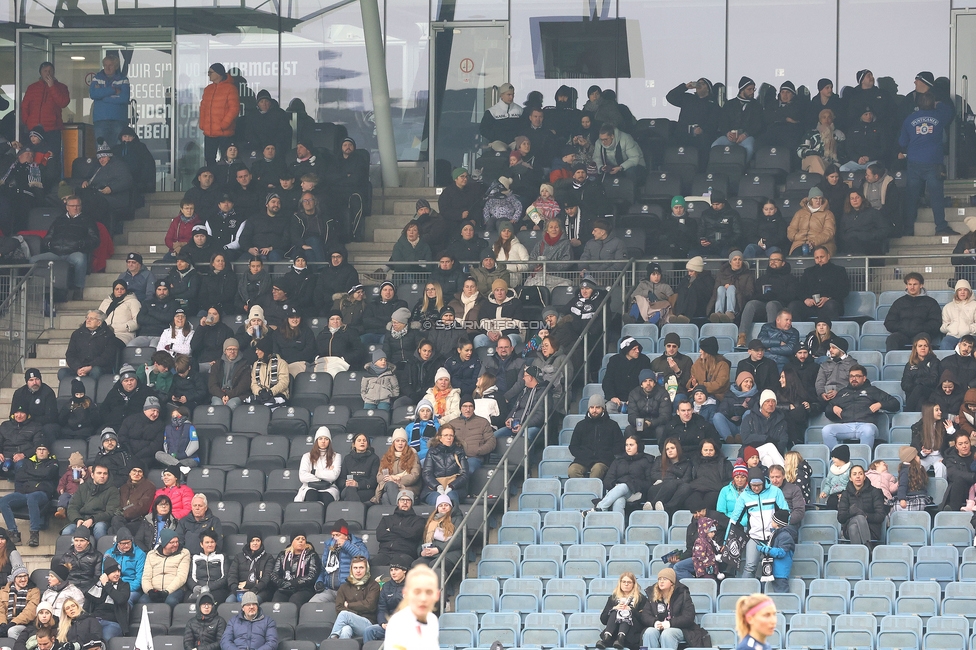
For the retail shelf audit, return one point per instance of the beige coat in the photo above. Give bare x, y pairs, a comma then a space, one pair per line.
261, 378
452, 407
123, 319
818, 227
166, 572
408, 480
712, 373
959, 316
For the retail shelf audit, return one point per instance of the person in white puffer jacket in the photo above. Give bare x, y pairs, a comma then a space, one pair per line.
959, 316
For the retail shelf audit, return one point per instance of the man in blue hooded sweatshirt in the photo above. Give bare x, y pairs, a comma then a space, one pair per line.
921, 137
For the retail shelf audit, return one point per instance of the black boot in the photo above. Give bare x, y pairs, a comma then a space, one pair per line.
619, 643
14, 536
35, 539
602, 643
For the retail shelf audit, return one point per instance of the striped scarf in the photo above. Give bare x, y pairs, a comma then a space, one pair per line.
16, 602
272, 364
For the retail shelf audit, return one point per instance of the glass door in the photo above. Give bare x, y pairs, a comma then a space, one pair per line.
33, 50
469, 62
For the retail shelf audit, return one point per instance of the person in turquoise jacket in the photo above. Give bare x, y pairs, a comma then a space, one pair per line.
754, 510
131, 560
730, 493
109, 90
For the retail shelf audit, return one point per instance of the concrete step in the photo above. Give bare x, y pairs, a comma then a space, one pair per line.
145, 225
51, 350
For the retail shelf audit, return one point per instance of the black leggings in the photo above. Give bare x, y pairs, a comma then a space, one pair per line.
324, 497
615, 627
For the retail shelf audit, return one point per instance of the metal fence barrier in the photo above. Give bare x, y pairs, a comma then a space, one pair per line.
26, 311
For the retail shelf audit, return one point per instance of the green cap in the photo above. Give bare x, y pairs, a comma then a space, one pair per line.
678, 200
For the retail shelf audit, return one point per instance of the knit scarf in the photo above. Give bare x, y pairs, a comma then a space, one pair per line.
16, 602
440, 400
252, 560
360, 582
227, 382
469, 303
116, 301
399, 334
289, 558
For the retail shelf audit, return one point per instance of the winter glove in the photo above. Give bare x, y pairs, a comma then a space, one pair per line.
665, 625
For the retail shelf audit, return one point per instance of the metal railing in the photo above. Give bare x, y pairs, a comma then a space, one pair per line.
516, 457
25, 313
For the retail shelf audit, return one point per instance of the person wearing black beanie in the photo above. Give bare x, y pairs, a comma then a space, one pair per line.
699, 116
742, 119
783, 119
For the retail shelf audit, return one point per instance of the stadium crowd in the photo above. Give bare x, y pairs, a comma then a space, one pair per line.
478, 358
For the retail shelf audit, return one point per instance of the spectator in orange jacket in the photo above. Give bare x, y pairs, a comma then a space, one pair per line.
42, 105
218, 112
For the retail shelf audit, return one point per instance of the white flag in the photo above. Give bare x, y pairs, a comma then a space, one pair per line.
144, 640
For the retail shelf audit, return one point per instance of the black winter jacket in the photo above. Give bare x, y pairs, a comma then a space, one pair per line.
723, 228
378, 314
343, 344
634, 471
596, 440
249, 564
363, 468
855, 403
119, 404
742, 116
42, 406
925, 374
207, 343
218, 289
204, 632
782, 286
829, 280
913, 315
333, 280
773, 230
623, 375
400, 532
442, 461
693, 296
156, 315
85, 567
189, 531
117, 610
677, 236
37, 476
300, 348
868, 502
263, 231
702, 111
66, 236
690, 435
96, 348
711, 474
418, 375
184, 288
19, 437
143, 436
85, 630
654, 406
680, 612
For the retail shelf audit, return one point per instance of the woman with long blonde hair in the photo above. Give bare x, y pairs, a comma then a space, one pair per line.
755, 621
78, 627
620, 614
798, 472
399, 469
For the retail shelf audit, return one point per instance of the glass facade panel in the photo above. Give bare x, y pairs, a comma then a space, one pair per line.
408, 72
891, 47
774, 54
669, 57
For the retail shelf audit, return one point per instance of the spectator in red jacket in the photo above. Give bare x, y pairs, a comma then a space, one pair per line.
180, 230
42, 105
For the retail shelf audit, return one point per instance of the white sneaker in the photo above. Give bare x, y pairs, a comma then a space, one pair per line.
636, 496
648, 506
659, 505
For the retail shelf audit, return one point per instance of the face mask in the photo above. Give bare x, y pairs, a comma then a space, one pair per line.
178, 421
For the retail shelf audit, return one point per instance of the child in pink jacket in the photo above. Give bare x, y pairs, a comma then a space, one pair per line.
882, 479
